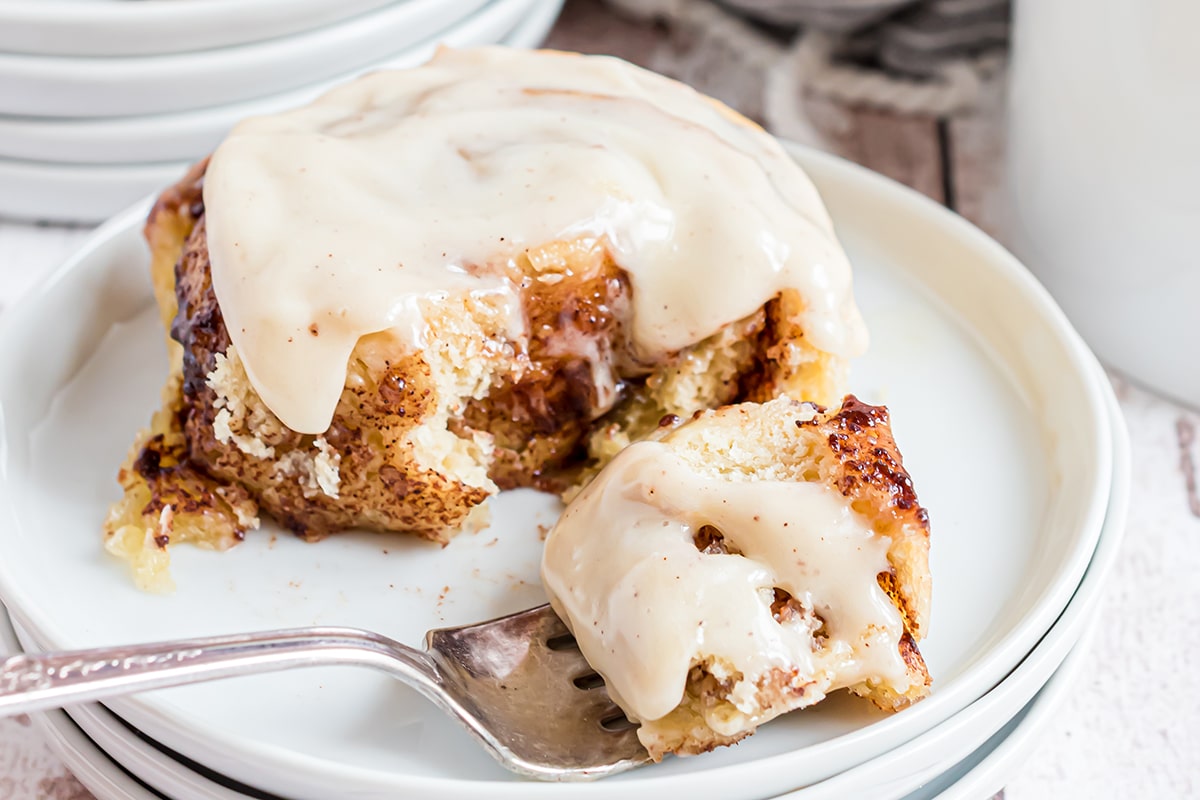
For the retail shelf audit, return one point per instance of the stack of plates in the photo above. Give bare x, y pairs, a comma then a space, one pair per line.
102, 102
1006, 421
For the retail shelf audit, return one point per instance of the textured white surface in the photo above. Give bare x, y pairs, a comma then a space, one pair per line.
29, 770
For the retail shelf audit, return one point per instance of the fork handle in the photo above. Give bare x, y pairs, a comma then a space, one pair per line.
40, 681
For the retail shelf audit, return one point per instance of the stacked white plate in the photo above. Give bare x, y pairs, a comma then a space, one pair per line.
103, 101
1007, 424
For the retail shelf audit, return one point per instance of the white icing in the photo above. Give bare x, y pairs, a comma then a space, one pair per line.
415, 184
645, 604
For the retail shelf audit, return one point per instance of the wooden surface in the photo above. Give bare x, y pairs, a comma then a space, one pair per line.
953, 161
1132, 728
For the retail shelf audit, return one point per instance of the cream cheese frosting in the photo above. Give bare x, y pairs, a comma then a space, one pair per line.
339, 219
646, 604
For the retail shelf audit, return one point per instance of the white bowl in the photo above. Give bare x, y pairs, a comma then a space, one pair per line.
57, 86
48, 190
997, 405
1102, 119
74, 28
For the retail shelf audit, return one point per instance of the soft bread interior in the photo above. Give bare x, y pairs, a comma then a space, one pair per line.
851, 454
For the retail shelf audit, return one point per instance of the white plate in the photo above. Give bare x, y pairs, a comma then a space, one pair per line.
997, 406
56, 86
938, 758
35, 190
188, 135
978, 776
73, 28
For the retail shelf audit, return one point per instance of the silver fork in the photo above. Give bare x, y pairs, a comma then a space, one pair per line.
518, 683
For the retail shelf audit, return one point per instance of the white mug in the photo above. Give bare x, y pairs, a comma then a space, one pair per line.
1104, 176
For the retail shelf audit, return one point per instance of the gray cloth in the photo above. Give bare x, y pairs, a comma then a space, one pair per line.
914, 37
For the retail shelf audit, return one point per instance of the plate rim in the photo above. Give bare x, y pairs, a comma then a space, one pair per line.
58, 22
155, 76
57, 141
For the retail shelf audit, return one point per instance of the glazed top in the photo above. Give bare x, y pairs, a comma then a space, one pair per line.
339, 219
646, 603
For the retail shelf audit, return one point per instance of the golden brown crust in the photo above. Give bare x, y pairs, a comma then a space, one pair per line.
169, 223
872, 469
871, 474
379, 488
